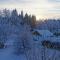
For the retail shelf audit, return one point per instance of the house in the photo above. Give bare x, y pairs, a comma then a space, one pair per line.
37, 34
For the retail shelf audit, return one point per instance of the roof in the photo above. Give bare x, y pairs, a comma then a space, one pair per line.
44, 32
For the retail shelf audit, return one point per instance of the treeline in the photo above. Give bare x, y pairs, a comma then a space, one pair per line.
50, 24
16, 18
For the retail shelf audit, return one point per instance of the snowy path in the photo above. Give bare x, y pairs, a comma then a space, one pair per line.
7, 54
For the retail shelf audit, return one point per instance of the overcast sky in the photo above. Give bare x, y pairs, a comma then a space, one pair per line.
41, 8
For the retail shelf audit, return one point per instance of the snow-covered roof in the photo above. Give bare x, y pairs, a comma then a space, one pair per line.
44, 32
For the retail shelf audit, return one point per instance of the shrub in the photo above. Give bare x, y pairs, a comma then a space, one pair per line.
46, 43
57, 34
1, 45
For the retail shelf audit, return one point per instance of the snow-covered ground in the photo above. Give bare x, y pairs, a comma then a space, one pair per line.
7, 54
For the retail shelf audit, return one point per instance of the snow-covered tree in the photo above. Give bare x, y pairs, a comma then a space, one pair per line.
6, 13
24, 40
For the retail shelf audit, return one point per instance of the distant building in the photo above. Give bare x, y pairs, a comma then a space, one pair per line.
37, 34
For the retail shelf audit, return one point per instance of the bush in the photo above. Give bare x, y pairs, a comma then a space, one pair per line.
57, 34
1, 45
51, 45
46, 44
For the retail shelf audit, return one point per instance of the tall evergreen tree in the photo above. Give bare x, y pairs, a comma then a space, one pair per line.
14, 13
33, 21
26, 18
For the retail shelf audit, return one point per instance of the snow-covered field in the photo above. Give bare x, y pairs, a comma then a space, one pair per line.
7, 54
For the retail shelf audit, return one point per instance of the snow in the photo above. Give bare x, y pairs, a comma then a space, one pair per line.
7, 54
